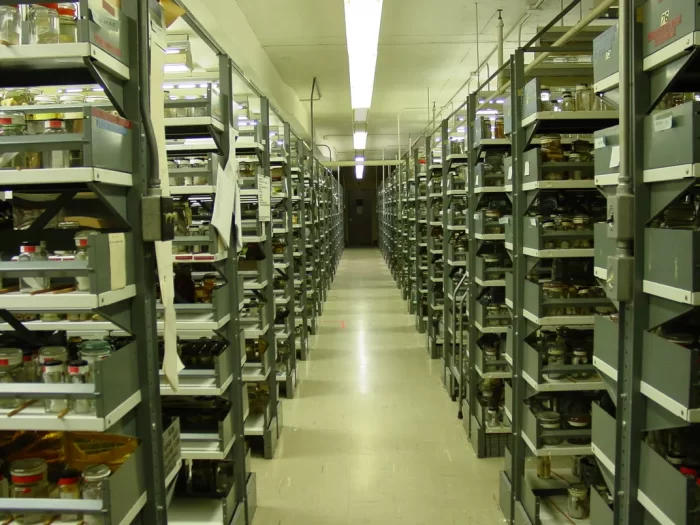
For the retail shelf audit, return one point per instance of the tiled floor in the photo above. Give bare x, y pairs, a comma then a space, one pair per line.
372, 437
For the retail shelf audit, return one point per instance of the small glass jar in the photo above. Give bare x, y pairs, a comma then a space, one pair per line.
52, 373
550, 421
544, 467
499, 129
567, 102
36, 121
82, 282
492, 420
545, 99
93, 351
579, 421
580, 357
69, 488
551, 148
29, 358
33, 252
584, 98
12, 125
73, 119
29, 480
43, 23
78, 374
11, 362
9, 25
55, 159
67, 24
579, 504
52, 353
20, 97
556, 356
93, 480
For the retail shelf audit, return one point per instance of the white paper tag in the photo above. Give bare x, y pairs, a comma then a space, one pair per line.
510, 172
614, 156
477, 216
264, 211
533, 222
117, 260
222, 216
527, 168
477, 180
663, 123
599, 143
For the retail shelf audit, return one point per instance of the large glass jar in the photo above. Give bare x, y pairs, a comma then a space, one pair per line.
53, 373
67, 24
551, 148
9, 25
545, 99
94, 351
43, 23
20, 97
29, 480
73, 119
93, 480
11, 362
55, 159
567, 102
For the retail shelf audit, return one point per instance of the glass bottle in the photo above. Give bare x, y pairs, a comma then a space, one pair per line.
579, 506
567, 102
78, 372
52, 353
29, 480
9, 25
92, 352
33, 252
43, 21
82, 282
55, 159
584, 98
93, 479
545, 99
52, 373
67, 24
29, 366
69, 488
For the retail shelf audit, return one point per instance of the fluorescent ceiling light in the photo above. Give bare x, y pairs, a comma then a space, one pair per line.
176, 68
362, 21
359, 158
173, 51
487, 112
359, 172
359, 140
186, 86
168, 86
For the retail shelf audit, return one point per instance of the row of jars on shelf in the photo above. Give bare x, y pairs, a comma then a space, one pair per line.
53, 365
51, 23
54, 159
579, 98
193, 289
562, 412
29, 479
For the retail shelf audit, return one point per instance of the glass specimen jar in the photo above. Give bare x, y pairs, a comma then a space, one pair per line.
82, 282
28, 253
55, 159
584, 98
545, 99
93, 481
29, 480
67, 24
69, 488
500, 128
43, 23
12, 125
579, 421
550, 421
52, 372
78, 373
567, 101
9, 25
551, 148
73, 118
12, 372
579, 505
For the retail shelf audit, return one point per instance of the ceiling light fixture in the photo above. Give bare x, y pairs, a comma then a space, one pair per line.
362, 21
359, 172
359, 140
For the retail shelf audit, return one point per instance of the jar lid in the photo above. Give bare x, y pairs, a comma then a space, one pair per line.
48, 352
28, 470
28, 248
78, 366
53, 124
51, 365
549, 416
96, 473
579, 489
69, 476
95, 348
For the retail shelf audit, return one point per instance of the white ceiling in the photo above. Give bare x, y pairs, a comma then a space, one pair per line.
427, 51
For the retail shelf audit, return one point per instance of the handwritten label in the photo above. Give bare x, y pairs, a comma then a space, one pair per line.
527, 169
510, 172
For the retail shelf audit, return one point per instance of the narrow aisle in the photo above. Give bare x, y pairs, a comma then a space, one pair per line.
372, 437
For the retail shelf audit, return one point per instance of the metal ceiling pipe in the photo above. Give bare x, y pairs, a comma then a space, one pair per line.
501, 44
398, 126
576, 29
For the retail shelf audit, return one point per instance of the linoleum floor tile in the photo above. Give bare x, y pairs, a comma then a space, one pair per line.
371, 436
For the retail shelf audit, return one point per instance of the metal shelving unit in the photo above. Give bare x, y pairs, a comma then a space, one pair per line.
257, 154
109, 169
302, 309
556, 395
418, 152
435, 237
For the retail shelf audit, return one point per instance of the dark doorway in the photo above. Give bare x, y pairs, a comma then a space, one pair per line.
360, 214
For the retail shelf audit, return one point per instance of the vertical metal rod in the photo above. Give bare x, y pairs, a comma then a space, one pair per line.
478, 58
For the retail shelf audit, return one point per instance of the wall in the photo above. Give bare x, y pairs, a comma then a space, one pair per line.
370, 181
